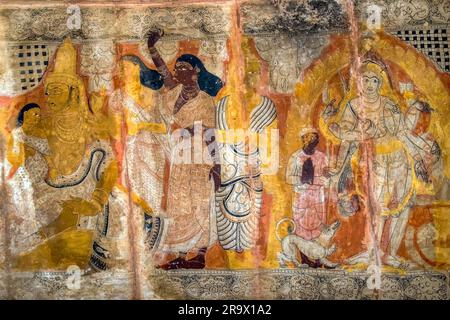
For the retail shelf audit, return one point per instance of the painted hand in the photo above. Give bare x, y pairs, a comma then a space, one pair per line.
369, 127
421, 171
335, 129
422, 106
393, 204
328, 172
330, 109
153, 37
78, 206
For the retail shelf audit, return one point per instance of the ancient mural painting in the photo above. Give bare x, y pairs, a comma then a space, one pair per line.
284, 149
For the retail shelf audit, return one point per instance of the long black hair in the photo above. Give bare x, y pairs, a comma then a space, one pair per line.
22, 111
207, 82
148, 77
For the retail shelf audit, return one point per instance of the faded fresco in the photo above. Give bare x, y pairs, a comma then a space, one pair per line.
283, 149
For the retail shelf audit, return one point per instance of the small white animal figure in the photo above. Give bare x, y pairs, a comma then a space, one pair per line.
317, 249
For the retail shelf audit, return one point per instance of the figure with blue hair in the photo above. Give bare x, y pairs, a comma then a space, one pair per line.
188, 106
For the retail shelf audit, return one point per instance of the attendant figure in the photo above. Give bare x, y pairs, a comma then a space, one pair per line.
136, 102
187, 104
27, 149
373, 124
307, 173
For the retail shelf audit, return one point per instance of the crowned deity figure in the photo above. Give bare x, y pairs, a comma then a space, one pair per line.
67, 102
377, 140
69, 175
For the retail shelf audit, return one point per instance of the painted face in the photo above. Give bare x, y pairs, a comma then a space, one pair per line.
57, 96
370, 84
32, 117
130, 71
310, 140
185, 73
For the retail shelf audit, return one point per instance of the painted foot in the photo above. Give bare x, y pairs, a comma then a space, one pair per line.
89, 271
362, 257
178, 263
396, 262
328, 264
198, 262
